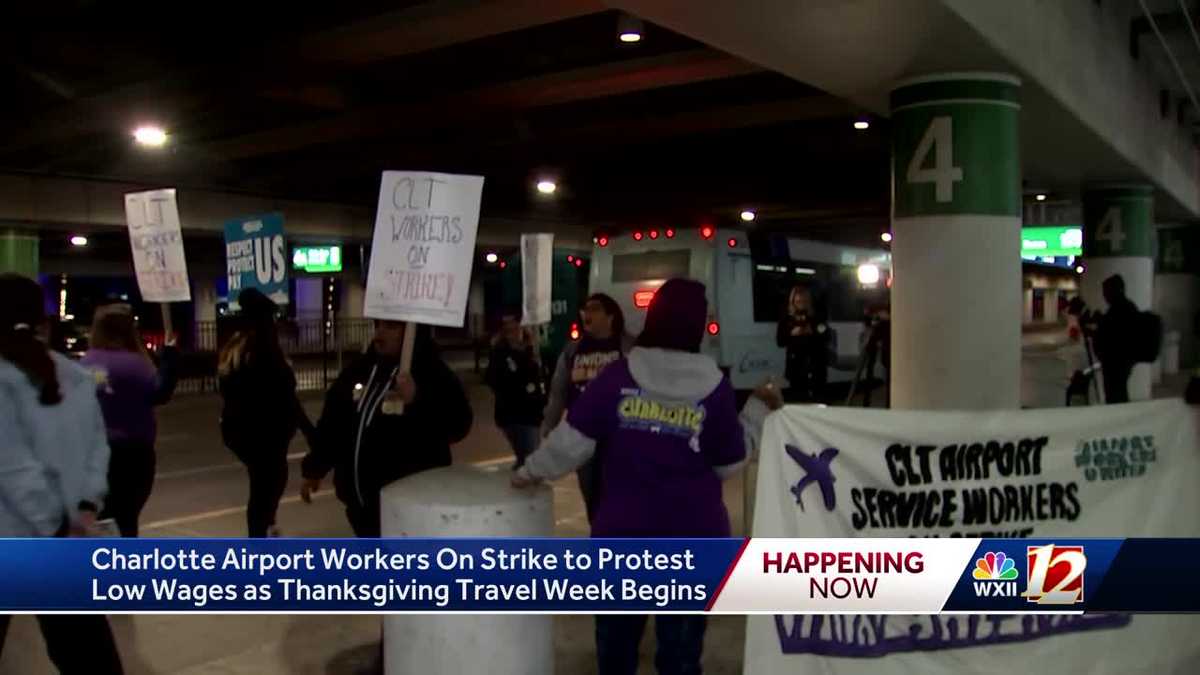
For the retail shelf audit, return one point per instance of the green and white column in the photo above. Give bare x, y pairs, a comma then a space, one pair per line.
18, 252
1177, 287
956, 221
1118, 238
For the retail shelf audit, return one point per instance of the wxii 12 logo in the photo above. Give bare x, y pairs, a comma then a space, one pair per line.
1055, 574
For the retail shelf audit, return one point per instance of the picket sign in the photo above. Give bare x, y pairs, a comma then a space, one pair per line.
422, 251
156, 240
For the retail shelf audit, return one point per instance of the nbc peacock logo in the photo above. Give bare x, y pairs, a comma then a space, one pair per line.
995, 576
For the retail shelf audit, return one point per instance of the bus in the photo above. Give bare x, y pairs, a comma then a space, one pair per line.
748, 279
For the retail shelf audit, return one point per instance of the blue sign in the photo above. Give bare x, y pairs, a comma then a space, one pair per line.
256, 256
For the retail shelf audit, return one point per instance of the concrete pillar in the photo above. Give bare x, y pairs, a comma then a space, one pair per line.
1118, 238
1027, 306
463, 501
1177, 287
956, 217
19, 252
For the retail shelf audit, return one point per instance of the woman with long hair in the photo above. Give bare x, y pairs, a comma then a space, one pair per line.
604, 341
514, 374
259, 410
806, 337
129, 386
53, 460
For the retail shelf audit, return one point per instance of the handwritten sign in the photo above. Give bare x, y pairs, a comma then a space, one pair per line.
536, 252
256, 257
423, 247
157, 244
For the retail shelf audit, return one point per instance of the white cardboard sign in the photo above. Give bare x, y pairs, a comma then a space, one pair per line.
157, 243
536, 260
424, 247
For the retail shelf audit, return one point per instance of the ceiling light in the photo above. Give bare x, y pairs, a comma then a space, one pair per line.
150, 136
629, 29
491, 257
868, 274
886, 237
1079, 269
862, 125
547, 187
1040, 198
79, 240
748, 215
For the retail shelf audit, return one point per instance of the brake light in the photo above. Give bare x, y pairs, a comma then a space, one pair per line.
670, 233
579, 262
713, 328
654, 234
732, 242
642, 299
503, 264
574, 331
570, 258
707, 232
603, 241
637, 236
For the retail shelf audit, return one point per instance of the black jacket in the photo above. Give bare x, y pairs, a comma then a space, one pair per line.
367, 446
808, 350
259, 408
516, 379
1115, 334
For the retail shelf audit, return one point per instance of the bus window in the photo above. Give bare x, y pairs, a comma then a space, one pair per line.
633, 267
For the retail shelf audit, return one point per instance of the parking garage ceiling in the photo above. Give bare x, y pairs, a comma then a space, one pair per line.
314, 102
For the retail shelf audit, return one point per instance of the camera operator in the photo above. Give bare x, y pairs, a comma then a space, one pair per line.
806, 337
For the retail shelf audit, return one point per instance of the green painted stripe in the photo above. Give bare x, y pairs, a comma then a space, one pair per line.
944, 90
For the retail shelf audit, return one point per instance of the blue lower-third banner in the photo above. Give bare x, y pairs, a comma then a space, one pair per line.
734, 576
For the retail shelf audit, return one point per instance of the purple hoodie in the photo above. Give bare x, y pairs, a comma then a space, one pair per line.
128, 386
663, 427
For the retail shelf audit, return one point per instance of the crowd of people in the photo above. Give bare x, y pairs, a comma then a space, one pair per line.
650, 425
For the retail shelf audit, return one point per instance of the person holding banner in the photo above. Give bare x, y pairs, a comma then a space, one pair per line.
53, 459
129, 386
260, 412
663, 429
380, 424
515, 376
604, 342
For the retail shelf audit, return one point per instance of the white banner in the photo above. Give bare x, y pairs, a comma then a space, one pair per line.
1130, 470
157, 243
424, 247
536, 260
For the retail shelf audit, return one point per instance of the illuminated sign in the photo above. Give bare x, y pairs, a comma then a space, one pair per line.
1052, 242
318, 259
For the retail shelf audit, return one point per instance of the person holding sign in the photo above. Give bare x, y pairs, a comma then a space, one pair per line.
663, 428
129, 386
515, 376
260, 412
380, 424
53, 458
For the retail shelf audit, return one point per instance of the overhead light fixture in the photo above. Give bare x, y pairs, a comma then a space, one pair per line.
150, 136
546, 187
886, 237
1040, 197
748, 215
79, 240
862, 124
868, 274
1079, 269
491, 257
629, 29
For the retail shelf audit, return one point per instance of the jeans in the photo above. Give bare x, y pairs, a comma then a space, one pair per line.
523, 438
130, 480
680, 643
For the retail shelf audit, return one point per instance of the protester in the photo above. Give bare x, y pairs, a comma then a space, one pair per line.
604, 341
380, 424
515, 375
807, 339
663, 429
53, 459
129, 387
260, 412
1076, 354
1115, 338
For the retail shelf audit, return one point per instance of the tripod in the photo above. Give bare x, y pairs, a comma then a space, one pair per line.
877, 332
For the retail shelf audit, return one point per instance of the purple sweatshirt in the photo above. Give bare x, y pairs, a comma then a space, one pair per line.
662, 426
128, 386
